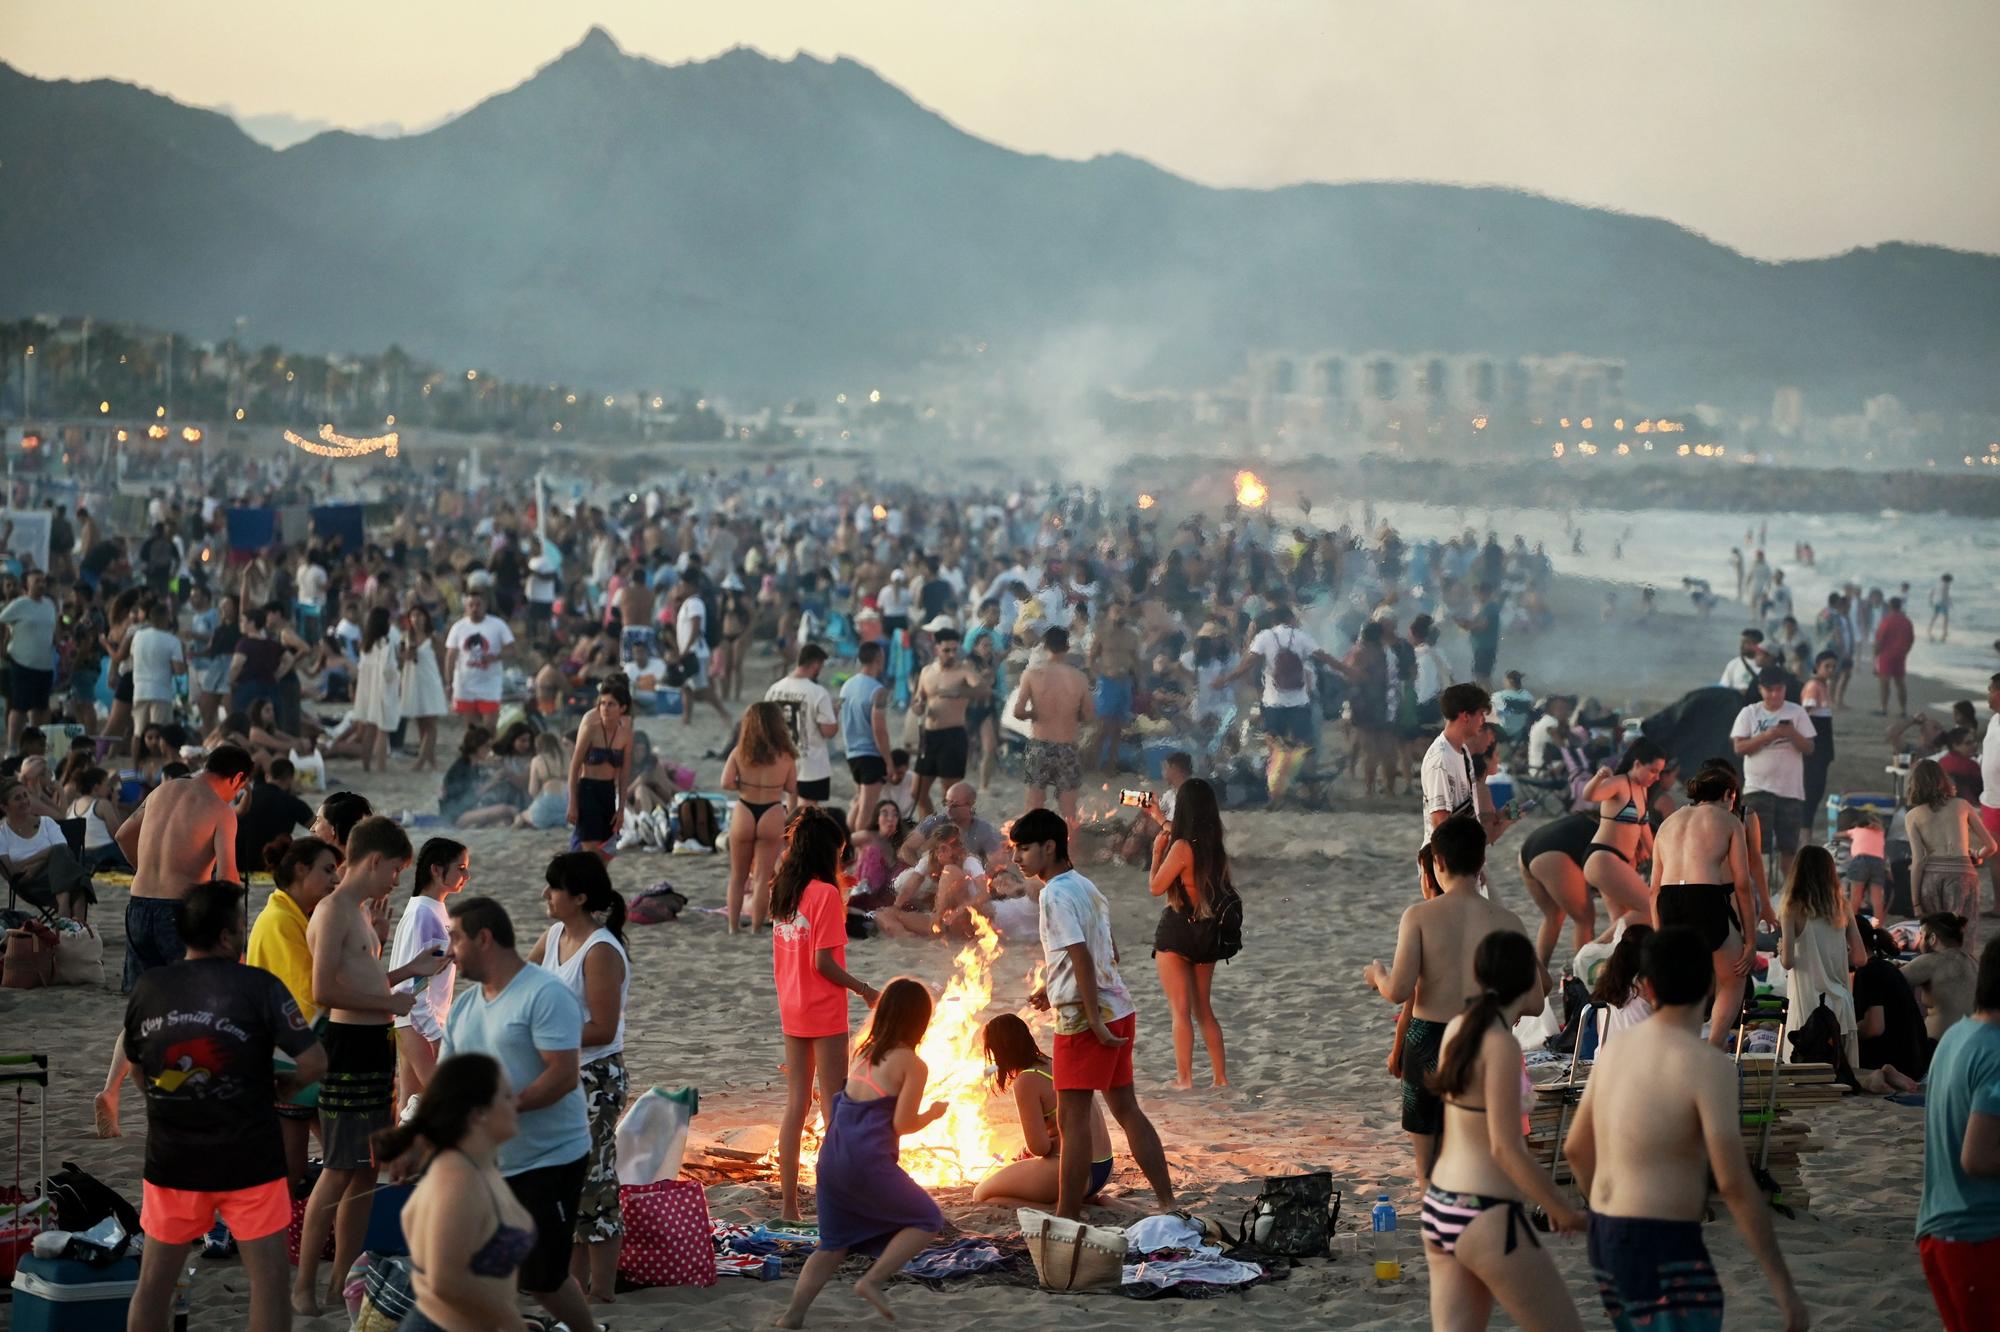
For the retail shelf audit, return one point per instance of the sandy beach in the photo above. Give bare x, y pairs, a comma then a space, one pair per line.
1307, 1043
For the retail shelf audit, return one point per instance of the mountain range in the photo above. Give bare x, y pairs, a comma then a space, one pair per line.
753, 224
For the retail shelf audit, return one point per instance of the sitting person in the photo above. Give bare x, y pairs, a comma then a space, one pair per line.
1943, 973
45, 795
1020, 1065
651, 787
474, 795
548, 784
1619, 1001
101, 820
877, 864
36, 857
1888, 1021
901, 784
927, 896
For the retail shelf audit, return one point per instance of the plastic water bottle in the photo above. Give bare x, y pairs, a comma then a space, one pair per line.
183, 1299
1388, 1261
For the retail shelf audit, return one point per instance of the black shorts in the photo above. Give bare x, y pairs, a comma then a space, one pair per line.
867, 770
596, 808
122, 691
550, 1194
1709, 909
942, 753
1184, 936
28, 688
1423, 1109
818, 792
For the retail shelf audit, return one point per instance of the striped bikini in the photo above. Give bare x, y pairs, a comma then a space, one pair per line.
1447, 1214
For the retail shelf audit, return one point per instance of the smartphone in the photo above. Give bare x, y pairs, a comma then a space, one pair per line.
1142, 799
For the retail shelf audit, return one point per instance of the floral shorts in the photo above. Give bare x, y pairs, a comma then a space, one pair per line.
1053, 765
597, 1214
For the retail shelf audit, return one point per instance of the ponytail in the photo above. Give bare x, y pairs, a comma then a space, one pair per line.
1506, 968
582, 874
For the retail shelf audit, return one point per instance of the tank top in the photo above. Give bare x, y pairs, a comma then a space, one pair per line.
570, 973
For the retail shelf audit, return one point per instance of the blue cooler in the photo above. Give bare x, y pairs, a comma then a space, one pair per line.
60, 1295
1501, 787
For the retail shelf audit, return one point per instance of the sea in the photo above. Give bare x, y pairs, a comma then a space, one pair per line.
1659, 547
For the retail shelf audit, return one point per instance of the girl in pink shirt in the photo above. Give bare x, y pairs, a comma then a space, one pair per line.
809, 964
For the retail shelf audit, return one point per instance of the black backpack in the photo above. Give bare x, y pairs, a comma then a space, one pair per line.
1294, 1217
1228, 922
1817, 1041
82, 1200
696, 821
1575, 999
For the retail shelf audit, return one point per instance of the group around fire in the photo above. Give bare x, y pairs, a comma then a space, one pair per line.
931, 642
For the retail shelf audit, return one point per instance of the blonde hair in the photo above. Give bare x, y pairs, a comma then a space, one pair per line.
765, 738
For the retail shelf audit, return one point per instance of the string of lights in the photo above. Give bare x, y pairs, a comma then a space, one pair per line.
332, 444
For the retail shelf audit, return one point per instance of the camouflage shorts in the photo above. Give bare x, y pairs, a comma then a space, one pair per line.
597, 1214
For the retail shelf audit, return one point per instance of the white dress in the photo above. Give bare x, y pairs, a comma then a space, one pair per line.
423, 683
1819, 969
378, 695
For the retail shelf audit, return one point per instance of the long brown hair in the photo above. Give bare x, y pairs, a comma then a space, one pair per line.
902, 1016
1929, 786
1506, 968
815, 843
1813, 891
764, 737
1198, 822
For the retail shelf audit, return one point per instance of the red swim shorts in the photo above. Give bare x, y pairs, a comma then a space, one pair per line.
1084, 1063
476, 707
182, 1216
1964, 1277
1990, 816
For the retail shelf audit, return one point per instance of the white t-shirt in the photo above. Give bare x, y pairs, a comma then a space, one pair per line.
477, 675
1267, 645
1074, 912
1739, 674
1548, 732
691, 626
1779, 767
1989, 764
311, 580
807, 707
425, 925
1447, 779
154, 652
893, 599
18, 848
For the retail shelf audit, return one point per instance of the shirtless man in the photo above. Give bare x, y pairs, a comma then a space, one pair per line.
945, 689
635, 611
183, 834
1435, 945
1113, 660
357, 1093
1055, 702
1671, 1116
1701, 879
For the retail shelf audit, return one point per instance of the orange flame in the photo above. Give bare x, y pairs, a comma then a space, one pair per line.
964, 1146
1251, 492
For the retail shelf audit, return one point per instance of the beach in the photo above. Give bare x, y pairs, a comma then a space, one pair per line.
1307, 1040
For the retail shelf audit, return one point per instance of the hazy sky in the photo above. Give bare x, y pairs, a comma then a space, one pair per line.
1782, 127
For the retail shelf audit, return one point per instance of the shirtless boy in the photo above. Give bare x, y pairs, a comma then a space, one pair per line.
1435, 945
1055, 702
1668, 1102
1114, 661
1701, 879
356, 1095
945, 689
183, 834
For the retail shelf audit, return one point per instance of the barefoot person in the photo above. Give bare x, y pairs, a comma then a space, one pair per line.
1478, 1242
355, 1097
1659, 1116
946, 689
1055, 701
1191, 869
1020, 1065
866, 1201
1701, 879
202, 1032
182, 834
303, 872
1624, 837
444, 867
809, 964
1552, 859
763, 771
1435, 945
1095, 1020
600, 766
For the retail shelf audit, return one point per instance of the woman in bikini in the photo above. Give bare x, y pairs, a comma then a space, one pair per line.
1190, 868
1701, 879
600, 767
462, 1219
763, 771
1020, 1066
1478, 1242
1552, 859
1624, 837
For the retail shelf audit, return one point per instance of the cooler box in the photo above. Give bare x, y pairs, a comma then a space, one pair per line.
385, 1221
1500, 786
59, 1295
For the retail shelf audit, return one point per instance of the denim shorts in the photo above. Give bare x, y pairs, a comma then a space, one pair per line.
1294, 724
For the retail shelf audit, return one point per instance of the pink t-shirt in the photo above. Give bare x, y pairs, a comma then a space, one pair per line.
810, 1005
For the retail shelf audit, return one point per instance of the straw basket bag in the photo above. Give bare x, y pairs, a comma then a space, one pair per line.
1070, 1255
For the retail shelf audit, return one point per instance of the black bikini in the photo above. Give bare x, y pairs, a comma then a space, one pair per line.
1629, 814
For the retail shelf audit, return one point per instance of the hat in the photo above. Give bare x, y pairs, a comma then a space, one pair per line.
898, 576
940, 622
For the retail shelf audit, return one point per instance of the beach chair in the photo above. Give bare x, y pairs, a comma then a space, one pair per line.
35, 891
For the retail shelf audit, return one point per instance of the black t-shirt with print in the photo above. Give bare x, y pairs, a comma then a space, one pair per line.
200, 1034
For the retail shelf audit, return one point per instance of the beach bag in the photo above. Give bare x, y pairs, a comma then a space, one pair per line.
386, 1296
652, 1136
656, 905
1294, 1217
30, 960
1070, 1255
696, 821
79, 957
1817, 1041
81, 1200
308, 771
1228, 922
1288, 672
667, 1239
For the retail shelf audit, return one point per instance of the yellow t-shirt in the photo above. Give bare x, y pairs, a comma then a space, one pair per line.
278, 945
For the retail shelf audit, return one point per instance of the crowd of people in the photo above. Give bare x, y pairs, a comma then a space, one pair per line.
1207, 667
